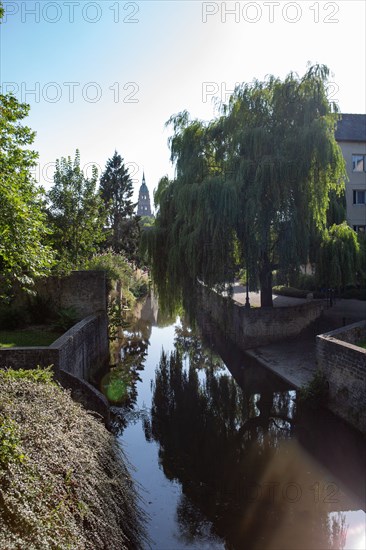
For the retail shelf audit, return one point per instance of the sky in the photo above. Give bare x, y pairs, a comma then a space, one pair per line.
106, 75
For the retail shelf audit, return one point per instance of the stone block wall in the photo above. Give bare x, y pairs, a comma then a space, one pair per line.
84, 349
85, 291
81, 351
250, 328
344, 365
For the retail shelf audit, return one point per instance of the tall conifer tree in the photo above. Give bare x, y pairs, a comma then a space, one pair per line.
116, 190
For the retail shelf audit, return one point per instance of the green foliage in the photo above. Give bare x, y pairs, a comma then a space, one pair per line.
11, 317
132, 285
354, 294
116, 311
27, 338
40, 309
315, 393
116, 266
140, 287
251, 187
23, 252
146, 222
161, 189
9, 443
116, 189
65, 319
39, 375
306, 281
336, 213
339, 257
76, 214
72, 489
290, 291
361, 343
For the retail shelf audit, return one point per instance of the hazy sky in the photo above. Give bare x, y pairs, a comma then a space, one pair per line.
106, 75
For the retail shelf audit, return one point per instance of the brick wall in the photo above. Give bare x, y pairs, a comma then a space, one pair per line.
249, 328
344, 365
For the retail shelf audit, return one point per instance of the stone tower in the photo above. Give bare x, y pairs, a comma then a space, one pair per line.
143, 205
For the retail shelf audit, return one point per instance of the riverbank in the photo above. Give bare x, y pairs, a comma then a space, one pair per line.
63, 478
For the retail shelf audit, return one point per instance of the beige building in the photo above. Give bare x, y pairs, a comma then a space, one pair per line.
351, 136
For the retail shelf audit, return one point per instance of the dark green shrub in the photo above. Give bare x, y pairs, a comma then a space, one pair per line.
40, 309
12, 318
306, 282
355, 294
290, 292
315, 393
66, 318
140, 288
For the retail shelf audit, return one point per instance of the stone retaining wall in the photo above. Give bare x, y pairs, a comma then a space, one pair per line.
250, 328
76, 356
84, 291
344, 365
81, 351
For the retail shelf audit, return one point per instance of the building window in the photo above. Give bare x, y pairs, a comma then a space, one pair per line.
359, 228
359, 163
359, 197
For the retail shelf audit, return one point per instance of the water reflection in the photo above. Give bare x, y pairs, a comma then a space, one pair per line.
256, 493
129, 352
253, 471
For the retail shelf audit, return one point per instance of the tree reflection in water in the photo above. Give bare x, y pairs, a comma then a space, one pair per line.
221, 445
129, 352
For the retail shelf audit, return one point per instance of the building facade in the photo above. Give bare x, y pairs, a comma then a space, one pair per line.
143, 205
351, 136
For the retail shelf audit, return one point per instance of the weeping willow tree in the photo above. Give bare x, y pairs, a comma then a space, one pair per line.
190, 240
250, 186
339, 257
284, 160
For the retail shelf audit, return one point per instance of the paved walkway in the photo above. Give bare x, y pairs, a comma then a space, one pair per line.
295, 360
239, 296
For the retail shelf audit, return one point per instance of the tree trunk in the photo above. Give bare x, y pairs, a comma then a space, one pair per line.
265, 279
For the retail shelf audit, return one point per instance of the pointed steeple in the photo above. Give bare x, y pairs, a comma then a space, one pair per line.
143, 205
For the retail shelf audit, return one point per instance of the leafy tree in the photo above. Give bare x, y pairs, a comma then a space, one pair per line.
23, 231
336, 213
339, 257
76, 213
163, 185
116, 189
250, 186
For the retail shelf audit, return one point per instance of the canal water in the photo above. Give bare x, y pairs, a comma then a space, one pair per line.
223, 455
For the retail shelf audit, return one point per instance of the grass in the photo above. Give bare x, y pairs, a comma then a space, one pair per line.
361, 344
27, 338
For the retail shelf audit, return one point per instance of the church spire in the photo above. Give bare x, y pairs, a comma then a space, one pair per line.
143, 205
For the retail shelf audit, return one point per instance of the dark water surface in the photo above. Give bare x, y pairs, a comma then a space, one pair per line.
224, 457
